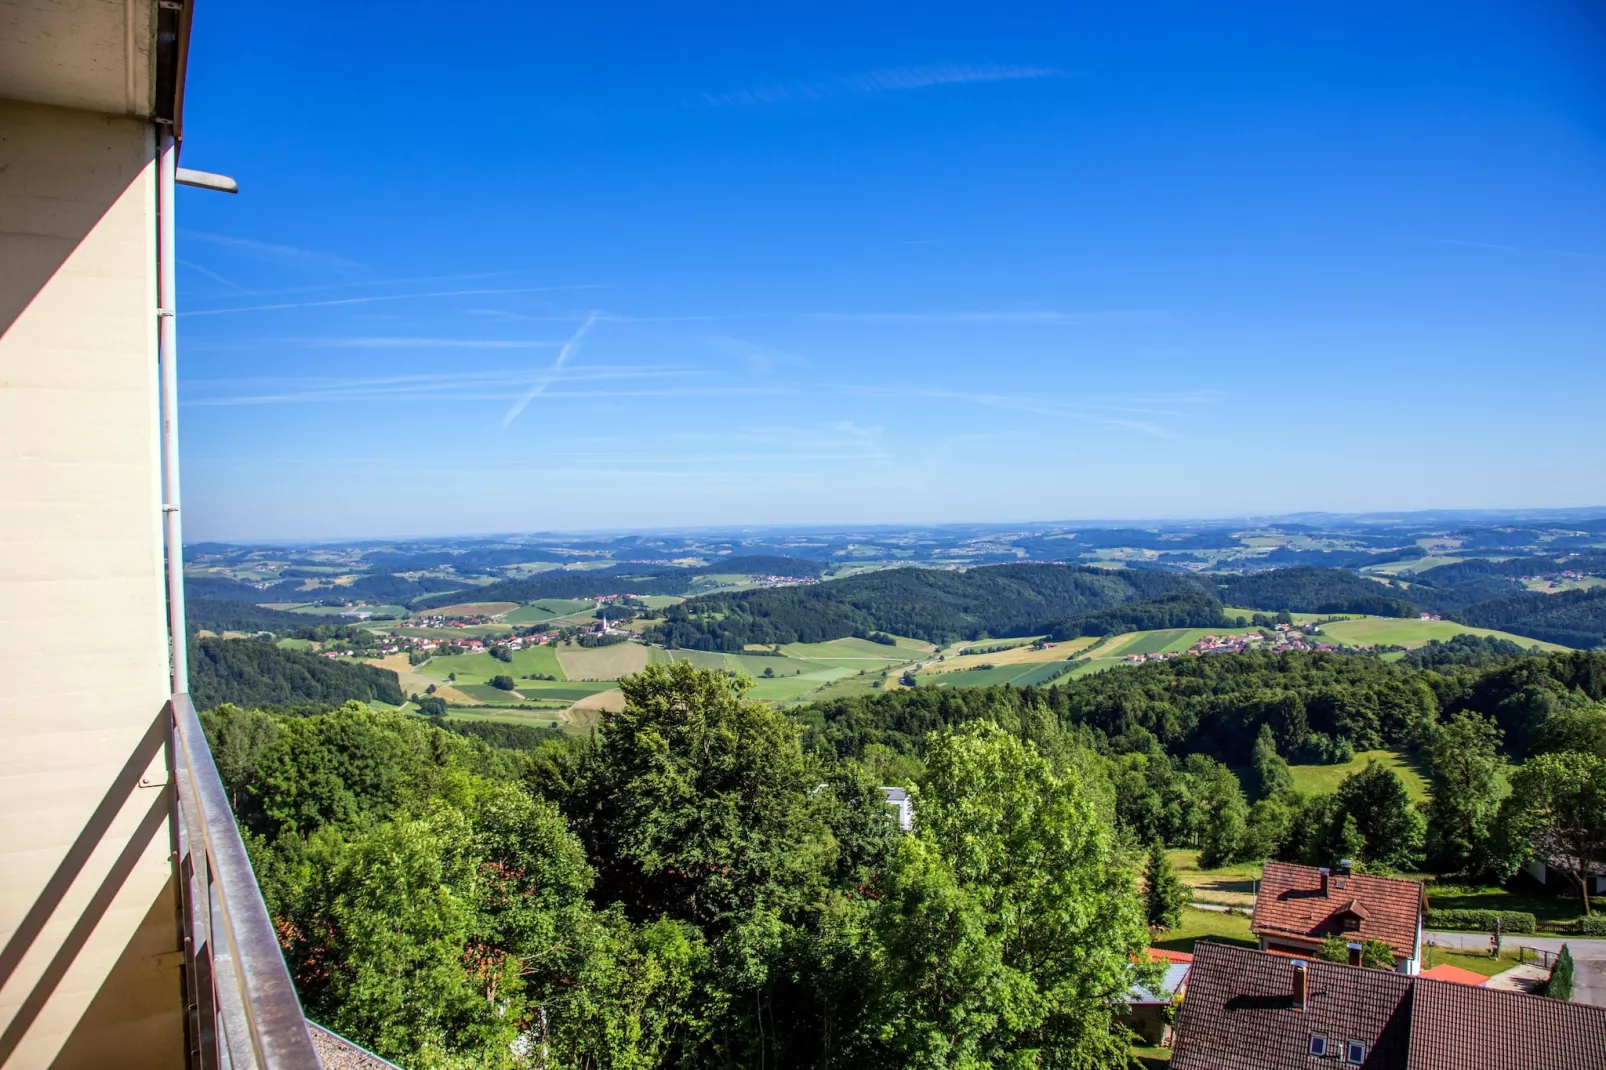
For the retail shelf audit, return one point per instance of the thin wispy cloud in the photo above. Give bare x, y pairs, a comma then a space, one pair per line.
376, 297
408, 342
1099, 415
271, 253
210, 274
873, 83
565, 355
434, 387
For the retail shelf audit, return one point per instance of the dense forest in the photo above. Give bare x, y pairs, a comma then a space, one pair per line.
1571, 618
930, 604
707, 882
228, 615
252, 673
1185, 609
688, 888
1312, 590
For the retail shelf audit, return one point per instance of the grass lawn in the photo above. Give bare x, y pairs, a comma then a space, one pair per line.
474, 609
1469, 960
1322, 779
1149, 1058
1198, 925
1232, 885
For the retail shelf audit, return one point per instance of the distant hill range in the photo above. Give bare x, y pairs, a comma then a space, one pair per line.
1067, 600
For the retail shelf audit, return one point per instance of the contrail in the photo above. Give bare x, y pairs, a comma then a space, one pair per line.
569, 349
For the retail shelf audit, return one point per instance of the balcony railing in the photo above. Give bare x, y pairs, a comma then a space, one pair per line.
242, 1009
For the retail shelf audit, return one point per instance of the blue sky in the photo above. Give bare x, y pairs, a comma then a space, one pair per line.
556, 267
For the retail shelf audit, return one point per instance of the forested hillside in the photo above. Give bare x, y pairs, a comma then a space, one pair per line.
247, 672
930, 604
1312, 590
220, 615
1571, 618
1185, 609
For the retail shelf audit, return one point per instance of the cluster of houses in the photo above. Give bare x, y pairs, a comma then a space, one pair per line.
1279, 1007
784, 581
1286, 639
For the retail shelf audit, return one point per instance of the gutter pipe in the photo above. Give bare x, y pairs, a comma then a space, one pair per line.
167, 362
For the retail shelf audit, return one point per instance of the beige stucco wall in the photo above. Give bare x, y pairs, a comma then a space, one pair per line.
82, 619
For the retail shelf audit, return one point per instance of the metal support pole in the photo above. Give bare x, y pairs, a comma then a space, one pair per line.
167, 357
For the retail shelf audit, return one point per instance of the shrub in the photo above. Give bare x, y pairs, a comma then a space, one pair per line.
1559, 985
1511, 921
1591, 926
502, 683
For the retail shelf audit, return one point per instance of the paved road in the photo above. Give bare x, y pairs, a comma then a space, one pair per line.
1582, 947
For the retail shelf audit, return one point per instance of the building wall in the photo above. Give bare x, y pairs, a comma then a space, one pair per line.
89, 970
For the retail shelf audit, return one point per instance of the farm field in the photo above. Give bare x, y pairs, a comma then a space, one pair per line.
1558, 586
1413, 565
313, 610
1249, 614
1412, 633
474, 609
859, 651
601, 662
551, 609
477, 668
1022, 655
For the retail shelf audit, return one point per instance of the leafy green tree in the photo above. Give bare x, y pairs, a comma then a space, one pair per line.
1390, 826
1219, 801
1375, 954
1468, 782
1554, 815
1008, 929
502, 682
1559, 985
1582, 730
1271, 772
237, 738
1164, 895
697, 803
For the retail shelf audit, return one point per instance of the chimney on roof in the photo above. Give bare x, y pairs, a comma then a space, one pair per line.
1354, 953
1299, 986
1344, 866
1326, 874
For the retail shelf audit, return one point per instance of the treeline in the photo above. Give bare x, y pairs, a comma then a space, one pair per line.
221, 615
1181, 610
1164, 739
382, 588
1312, 590
689, 888
626, 579
931, 604
250, 672
1571, 618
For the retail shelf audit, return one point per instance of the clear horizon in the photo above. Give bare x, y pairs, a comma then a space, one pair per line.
676, 271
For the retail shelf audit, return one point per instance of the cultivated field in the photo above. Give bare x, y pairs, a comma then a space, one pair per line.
1412, 632
473, 609
602, 662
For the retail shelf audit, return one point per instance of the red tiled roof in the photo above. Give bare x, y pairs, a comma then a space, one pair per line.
1290, 903
1240, 1014
1456, 975
1168, 955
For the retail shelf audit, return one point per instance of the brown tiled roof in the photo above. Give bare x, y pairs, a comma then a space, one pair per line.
1240, 1014
1290, 903
1455, 1026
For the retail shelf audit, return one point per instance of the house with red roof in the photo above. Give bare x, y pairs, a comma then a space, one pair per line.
1298, 908
1246, 1010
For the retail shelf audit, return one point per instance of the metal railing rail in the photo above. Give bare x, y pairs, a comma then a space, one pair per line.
242, 1009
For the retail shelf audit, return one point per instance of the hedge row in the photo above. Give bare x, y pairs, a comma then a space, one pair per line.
1594, 925
1511, 921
